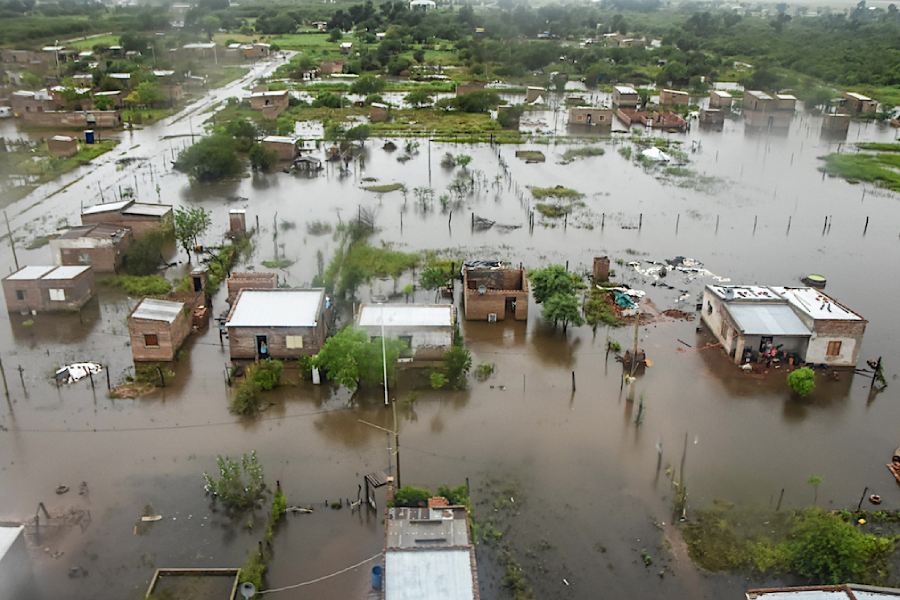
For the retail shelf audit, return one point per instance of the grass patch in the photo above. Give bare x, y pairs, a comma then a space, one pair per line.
260, 377
880, 169
598, 309
140, 285
557, 191
218, 77
385, 188
318, 228
678, 171
553, 211
530, 155
278, 263
880, 146
573, 154
828, 547
357, 261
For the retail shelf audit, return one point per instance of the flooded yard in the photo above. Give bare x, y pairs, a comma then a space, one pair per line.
593, 494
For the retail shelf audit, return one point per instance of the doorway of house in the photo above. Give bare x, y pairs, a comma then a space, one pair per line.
262, 347
765, 341
511, 307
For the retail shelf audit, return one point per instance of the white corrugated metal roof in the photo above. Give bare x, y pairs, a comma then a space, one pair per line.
66, 272
406, 315
108, 207
265, 94
817, 305
444, 574
280, 139
758, 318
276, 308
8, 536
625, 89
148, 210
30, 272
153, 309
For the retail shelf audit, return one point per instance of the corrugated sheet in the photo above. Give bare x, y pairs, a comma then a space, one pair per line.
406, 315
427, 574
152, 309
276, 308
757, 318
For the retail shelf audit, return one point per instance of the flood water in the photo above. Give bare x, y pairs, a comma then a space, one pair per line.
586, 473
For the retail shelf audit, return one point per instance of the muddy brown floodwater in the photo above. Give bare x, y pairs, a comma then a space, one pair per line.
591, 496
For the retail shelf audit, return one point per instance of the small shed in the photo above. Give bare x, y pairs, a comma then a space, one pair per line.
48, 288
271, 104
285, 146
157, 329
102, 246
279, 323
237, 222
625, 96
468, 88
535, 95
62, 146
858, 104
712, 117
379, 112
835, 124
426, 329
669, 97
250, 280
493, 290
720, 99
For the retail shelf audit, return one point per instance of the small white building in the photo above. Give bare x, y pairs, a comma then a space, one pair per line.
426, 329
798, 321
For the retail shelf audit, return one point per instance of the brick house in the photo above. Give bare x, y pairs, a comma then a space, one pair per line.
712, 117
426, 329
271, 104
277, 323
468, 88
48, 288
24, 102
283, 145
140, 217
158, 328
857, 104
493, 292
835, 124
591, 116
102, 246
800, 321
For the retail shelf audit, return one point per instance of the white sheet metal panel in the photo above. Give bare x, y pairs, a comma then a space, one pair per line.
8, 537
406, 315
31, 272
817, 305
276, 308
108, 207
152, 309
756, 318
428, 574
802, 595
67, 272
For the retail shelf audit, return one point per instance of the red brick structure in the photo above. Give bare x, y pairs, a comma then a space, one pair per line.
102, 246
278, 323
62, 146
591, 116
158, 328
495, 293
48, 288
139, 216
271, 104
250, 281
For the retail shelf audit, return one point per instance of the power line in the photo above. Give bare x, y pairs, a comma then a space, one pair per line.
318, 579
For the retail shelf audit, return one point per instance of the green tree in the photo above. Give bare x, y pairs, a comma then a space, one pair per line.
802, 381
190, 225
360, 133
553, 279
261, 158
240, 484
211, 159
412, 496
335, 35
149, 93
144, 255
419, 98
209, 24
367, 84
563, 308
815, 481
349, 358
457, 364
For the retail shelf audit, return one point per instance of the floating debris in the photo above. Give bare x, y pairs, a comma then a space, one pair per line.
77, 372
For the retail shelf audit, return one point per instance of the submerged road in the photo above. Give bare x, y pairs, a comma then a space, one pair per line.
154, 145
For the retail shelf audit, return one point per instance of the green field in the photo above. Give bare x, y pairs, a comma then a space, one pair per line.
90, 42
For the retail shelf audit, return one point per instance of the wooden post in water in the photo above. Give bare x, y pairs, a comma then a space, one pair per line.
91, 377
3, 375
717, 223
573, 381
866, 227
162, 378
22, 379
861, 498
108, 383
780, 498
12, 242
640, 221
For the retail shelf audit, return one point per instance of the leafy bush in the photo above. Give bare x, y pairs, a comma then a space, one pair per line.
349, 358
261, 377
412, 496
240, 484
438, 380
144, 255
266, 374
457, 363
484, 370
802, 381
261, 158
141, 285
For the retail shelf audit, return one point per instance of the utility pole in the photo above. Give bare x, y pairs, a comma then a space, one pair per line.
383, 354
396, 435
12, 243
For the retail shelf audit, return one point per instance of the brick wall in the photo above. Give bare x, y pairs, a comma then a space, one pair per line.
171, 337
242, 341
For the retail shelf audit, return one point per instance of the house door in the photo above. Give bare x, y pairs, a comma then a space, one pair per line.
765, 341
590, 119
262, 347
511, 306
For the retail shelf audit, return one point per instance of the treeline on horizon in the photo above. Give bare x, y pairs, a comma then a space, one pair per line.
857, 46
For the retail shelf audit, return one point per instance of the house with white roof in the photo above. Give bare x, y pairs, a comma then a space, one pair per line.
426, 329
34, 288
277, 323
798, 322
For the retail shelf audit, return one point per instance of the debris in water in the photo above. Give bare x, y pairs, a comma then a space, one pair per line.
77, 371
62, 489
151, 518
